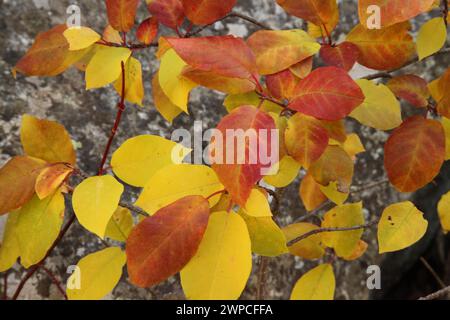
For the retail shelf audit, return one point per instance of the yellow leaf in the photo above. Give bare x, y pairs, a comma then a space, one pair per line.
233, 101
162, 103
173, 84
309, 248
50, 178
347, 215
444, 211
317, 284
120, 225
266, 237
446, 124
38, 226
176, 181
310, 193
97, 275
80, 37
134, 88
332, 192
46, 140
352, 145
257, 205
380, 109
401, 225
431, 38
285, 172
95, 200
9, 248
105, 66
222, 265
359, 251
140, 157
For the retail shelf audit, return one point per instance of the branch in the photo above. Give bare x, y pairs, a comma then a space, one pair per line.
5, 286
438, 294
445, 11
55, 281
321, 230
134, 209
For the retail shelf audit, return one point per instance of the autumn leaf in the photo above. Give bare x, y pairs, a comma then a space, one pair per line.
278, 50
267, 238
95, 201
309, 248
97, 75
392, 11
161, 245
380, 109
176, 181
38, 226
9, 249
147, 30
98, 273
222, 265
207, 11
140, 157
444, 211
285, 172
50, 178
162, 103
112, 35
227, 56
234, 101
310, 194
385, 49
282, 85
348, 215
134, 87
120, 225
327, 93
440, 90
336, 130
239, 176
80, 37
411, 88
446, 124
305, 139
358, 252
121, 14
317, 284
401, 225
303, 68
257, 204
333, 191
169, 12
431, 38
414, 153
343, 55
17, 181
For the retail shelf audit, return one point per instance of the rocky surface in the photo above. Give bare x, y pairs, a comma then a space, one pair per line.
88, 116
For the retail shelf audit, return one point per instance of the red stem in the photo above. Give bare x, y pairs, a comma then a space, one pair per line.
120, 109
55, 281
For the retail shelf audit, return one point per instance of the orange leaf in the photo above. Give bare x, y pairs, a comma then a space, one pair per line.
305, 138
410, 88
50, 178
327, 93
207, 11
17, 179
282, 85
393, 11
336, 130
227, 56
161, 245
121, 13
310, 193
239, 175
342, 56
147, 30
303, 68
386, 49
168, 12
440, 90
414, 153
111, 35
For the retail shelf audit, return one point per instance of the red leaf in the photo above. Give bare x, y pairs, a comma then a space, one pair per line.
237, 178
161, 245
342, 56
411, 88
147, 30
168, 12
282, 85
207, 11
227, 56
121, 13
327, 93
414, 153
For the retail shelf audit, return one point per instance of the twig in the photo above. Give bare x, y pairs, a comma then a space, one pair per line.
134, 209
314, 212
5, 286
433, 273
445, 11
359, 189
438, 294
55, 281
260, 288
316, 231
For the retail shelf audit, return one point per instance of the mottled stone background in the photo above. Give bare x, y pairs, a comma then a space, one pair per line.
89, 115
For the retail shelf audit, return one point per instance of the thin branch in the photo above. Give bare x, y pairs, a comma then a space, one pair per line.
445, 11
260, 288
314, 212
134, 209
5, 286
359, 189
55, 281
321, 230
433, 273
438, 294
